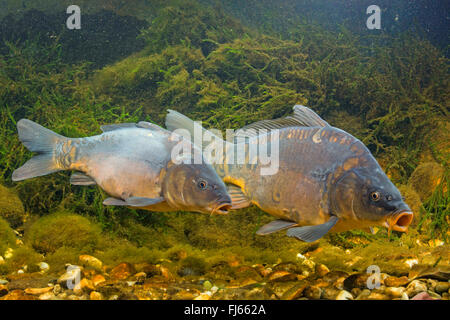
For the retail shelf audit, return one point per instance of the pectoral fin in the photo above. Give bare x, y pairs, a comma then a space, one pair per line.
133, 201
275, 226
312, 233
80, 179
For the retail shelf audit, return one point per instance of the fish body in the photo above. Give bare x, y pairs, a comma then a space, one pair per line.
131, 162
325, 180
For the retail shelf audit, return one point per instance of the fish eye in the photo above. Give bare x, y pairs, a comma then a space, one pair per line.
202, 184
375, 196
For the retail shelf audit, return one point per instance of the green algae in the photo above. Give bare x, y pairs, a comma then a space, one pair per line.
7, 236
53, 231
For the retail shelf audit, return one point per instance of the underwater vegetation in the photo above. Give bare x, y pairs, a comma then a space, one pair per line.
391, 91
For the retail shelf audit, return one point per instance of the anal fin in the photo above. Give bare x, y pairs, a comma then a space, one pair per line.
312, 233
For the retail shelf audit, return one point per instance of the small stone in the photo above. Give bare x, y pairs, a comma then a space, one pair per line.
395, 281
122, 271
18, 295
422, 296
8, 253
95, 296
3, 290
47, 296
3, 281
395, 292
207, 285
356, 292
43, 266
90, 261
442, 287
364, 294
377, 296
140, 276
87, 285
330, 293
415, 287
97, 279
282, 276
57, 289
295, 291
344, 295
204, 296
2, 260
411, 262
313, 292
20, 271
38, 291
322, 270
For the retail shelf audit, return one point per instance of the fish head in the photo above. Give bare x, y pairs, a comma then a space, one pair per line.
369, 196
196, 187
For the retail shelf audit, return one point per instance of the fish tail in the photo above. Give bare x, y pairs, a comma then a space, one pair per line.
43, 141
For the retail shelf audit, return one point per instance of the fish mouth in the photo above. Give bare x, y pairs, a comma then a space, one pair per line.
222, 208
399, 221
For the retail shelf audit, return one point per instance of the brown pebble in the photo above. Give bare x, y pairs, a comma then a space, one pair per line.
322, 270
395, 281
122, 271
38, 291
442, 287
97, 279
282, 276
95, 296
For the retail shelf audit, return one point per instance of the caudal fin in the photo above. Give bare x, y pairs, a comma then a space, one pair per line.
41, 140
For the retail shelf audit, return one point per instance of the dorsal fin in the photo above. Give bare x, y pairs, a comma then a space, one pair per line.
302, 117
150, 126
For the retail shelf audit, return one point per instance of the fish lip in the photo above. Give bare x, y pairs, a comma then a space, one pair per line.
399, 220
222, 208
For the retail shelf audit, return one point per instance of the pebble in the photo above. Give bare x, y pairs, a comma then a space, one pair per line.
8, 253
282, 276
415, 287
313, 292
43, 266
344, 295
57, 289
377, 296
38, 291
3, 281
95, 296
3, 290
97, 279
395, 292
90, 261
204, 296
47, 296
396, 282
2, 260
322, 270
122, 271
442, 287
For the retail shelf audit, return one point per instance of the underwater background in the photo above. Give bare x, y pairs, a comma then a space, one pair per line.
227, 63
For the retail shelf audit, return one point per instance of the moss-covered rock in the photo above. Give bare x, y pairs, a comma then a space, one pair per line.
11, 208
7, 236
425, 178
54, 231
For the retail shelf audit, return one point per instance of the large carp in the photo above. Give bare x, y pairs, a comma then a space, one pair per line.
327, 179
131, 162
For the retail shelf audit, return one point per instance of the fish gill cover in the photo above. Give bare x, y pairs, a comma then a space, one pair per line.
228, 63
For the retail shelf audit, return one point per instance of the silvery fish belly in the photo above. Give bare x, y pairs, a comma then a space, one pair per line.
131, 162
327, 180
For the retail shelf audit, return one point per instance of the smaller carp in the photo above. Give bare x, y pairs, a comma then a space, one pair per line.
131, 162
